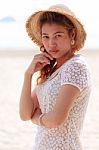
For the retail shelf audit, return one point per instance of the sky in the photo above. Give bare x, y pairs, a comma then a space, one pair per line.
86, 10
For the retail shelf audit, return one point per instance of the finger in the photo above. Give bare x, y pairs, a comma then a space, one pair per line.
44, 64
48, 55
44, 60
44, 54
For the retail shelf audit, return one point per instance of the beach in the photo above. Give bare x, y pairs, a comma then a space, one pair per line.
16, 134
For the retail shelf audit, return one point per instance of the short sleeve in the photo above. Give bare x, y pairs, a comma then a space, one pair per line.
35, 89
75, 73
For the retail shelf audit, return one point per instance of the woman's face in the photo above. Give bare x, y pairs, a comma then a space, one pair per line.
56, 40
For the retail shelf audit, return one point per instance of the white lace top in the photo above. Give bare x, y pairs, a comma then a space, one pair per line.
66, 136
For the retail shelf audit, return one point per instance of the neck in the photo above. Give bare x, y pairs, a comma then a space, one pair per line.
63, 59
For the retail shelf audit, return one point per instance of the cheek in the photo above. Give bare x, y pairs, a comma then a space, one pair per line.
65, 43
45, 43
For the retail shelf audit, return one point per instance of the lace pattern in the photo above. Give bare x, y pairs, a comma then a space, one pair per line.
66, 136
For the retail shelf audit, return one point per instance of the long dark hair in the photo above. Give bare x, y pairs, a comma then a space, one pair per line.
52, 17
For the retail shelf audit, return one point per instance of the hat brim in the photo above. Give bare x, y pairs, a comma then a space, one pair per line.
33, 29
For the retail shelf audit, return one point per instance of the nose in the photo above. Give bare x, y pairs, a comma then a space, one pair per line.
52, 42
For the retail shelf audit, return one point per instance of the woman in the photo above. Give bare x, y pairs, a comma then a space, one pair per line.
58, 103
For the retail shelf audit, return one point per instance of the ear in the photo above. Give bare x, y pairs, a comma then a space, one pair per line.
42, 49
73, 34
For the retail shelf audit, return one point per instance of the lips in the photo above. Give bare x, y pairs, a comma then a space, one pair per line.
53, 51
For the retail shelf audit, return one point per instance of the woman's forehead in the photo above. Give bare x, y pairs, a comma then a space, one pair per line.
53, 28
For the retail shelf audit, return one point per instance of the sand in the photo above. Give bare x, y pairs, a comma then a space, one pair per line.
19, 135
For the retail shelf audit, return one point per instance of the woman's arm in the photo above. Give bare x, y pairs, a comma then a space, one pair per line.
28, 102
56, 117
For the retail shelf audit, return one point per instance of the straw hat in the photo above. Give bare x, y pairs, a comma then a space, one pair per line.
33, 29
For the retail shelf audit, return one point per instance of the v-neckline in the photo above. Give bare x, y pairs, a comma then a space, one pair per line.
57, 70
54, 73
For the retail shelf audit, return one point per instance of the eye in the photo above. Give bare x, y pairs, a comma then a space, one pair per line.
45, 37
58, 35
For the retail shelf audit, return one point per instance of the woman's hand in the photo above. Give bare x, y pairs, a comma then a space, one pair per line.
38, 62
36, 115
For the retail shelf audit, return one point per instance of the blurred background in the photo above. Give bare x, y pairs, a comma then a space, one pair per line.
16, 53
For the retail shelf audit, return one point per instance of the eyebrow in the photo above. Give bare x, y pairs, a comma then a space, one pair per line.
54, 33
